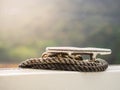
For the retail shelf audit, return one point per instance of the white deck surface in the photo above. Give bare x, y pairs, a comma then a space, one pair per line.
29, 79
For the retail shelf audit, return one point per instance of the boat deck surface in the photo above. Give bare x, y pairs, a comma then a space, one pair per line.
31, 79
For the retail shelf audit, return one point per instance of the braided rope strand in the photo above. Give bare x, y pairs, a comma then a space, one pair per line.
64, 62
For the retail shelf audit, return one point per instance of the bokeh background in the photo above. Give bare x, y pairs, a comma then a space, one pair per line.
27, 27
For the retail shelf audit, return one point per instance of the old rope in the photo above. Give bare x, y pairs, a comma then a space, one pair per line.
64, 61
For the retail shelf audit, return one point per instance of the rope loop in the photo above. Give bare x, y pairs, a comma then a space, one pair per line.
64, 61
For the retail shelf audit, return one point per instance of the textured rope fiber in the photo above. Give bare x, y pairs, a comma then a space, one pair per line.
64, 61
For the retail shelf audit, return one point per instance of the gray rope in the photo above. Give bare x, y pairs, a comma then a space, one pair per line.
63, 61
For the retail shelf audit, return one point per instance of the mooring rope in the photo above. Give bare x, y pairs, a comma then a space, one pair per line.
66, 62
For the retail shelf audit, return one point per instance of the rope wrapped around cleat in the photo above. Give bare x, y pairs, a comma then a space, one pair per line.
65, 62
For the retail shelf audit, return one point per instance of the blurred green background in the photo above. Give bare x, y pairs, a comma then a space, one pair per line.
27, 27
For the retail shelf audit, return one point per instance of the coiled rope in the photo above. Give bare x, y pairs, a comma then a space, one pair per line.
65, 62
